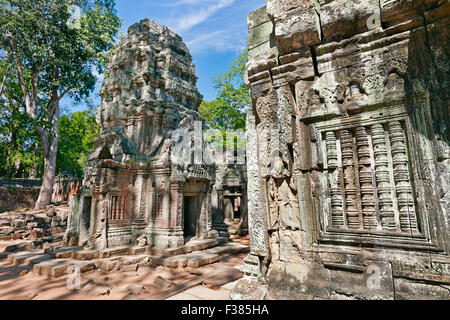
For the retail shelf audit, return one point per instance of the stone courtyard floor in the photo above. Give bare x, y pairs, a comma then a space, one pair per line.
18, 280
210, 282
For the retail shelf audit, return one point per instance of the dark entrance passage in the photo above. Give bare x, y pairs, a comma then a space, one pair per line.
191, 214
85, 221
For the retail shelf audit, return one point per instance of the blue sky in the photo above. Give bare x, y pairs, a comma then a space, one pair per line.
215, 31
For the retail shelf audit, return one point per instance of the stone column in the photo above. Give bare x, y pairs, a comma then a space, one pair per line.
244, 210
256, 213
176, 214
208, 209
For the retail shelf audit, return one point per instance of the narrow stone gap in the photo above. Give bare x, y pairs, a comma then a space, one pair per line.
314, 60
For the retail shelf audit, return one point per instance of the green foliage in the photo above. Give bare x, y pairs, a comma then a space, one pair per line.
44, 57
228, 111
77, 134
64, 57
19, 144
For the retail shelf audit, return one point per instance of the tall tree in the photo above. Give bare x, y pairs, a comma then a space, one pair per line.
55, 46
228, 111
18, 139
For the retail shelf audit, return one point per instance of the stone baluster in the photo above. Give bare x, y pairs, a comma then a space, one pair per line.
365, 180
383, 180
337, 213
353, 220
408, 220
119, 208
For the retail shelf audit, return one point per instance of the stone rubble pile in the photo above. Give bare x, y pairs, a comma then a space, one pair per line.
39, 225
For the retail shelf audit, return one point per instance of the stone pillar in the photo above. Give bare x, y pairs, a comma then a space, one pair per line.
218, 219
176, 214
256, 212
244, 210
209, 209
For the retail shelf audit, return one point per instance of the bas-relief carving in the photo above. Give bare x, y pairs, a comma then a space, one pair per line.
366, 141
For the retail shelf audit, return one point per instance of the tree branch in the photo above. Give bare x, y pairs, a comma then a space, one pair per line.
29, 107
2, 86
64, 93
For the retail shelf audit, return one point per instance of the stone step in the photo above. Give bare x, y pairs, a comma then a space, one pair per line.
137, 250
27, 257
86, 254
114, 251
191, 246
64, 252
111, 264
37, 259
171, 262
193, 260
17, 247
60, 267
199, 258
135, 259
52, 247
167, 252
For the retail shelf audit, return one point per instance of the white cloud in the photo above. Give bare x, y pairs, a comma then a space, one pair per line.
220, 41
186, 22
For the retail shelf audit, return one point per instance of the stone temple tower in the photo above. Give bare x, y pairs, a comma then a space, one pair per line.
142, 180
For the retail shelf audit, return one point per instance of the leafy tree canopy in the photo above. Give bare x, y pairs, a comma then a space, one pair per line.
77, 134
52, 48
227, 113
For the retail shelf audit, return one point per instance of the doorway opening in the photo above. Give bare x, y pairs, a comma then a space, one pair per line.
191, 214
85, 222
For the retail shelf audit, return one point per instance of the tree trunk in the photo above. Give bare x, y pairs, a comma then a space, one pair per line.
50, 147
33, 174
45, 195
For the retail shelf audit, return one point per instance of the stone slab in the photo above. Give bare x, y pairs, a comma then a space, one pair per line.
171, 262
198, 259
137, 250
37, 259
19, 257
135, 259
59, 267
65, 252
85, 255
114, 251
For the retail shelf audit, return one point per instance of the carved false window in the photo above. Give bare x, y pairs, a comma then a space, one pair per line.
370, 181
118, 209
369, 178
156, 206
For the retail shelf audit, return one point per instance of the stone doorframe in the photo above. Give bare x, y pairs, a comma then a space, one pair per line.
201, 189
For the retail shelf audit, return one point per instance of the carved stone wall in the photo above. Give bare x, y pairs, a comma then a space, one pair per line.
351, 127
